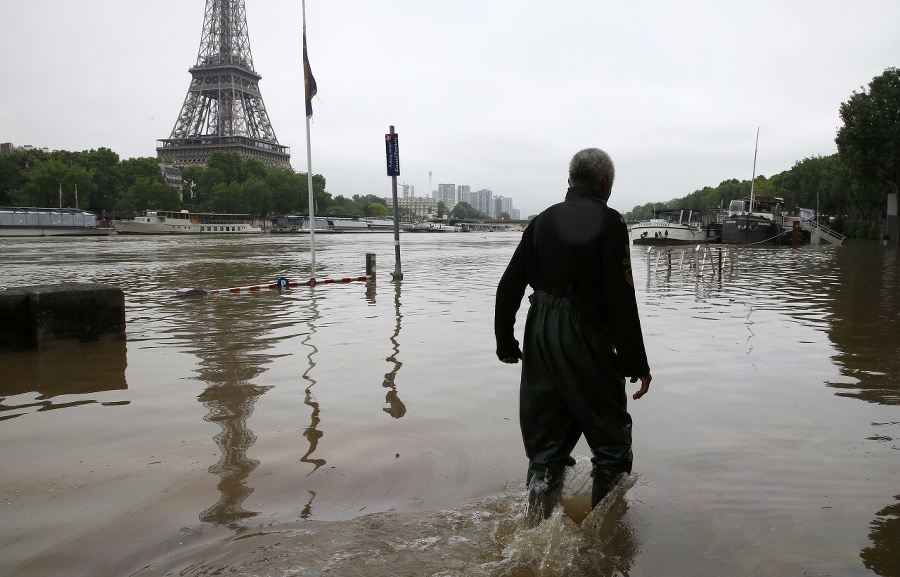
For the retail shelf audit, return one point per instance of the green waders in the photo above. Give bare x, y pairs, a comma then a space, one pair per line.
571, 384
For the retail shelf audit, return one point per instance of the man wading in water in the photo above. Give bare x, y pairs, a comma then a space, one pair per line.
582, 335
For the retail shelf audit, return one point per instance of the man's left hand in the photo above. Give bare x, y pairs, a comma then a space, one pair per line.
645, 385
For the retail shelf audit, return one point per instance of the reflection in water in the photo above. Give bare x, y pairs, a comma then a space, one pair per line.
230, 406
867, 322
395, 406
312, 432
307, 509
76, 371
883, 557
229, 340
852, 294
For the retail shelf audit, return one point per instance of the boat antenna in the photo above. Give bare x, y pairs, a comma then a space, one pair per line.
753, 179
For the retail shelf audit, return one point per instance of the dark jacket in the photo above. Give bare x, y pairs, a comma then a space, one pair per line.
579, 250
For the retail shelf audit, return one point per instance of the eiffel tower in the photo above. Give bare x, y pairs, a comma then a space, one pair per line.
223, 109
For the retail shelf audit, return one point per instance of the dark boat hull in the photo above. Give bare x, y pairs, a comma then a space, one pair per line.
750, 230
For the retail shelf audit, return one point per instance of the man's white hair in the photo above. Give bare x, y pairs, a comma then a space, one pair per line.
593, 168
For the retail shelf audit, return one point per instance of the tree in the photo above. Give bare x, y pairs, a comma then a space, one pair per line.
284, 191
441, 208
467, 211
107, 177
48, 177
191, 177
869, 141
147, 194
12, 177
377, 209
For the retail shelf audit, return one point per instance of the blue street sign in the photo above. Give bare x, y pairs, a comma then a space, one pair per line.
392, 149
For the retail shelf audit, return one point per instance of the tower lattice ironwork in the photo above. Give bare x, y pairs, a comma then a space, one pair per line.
223, 109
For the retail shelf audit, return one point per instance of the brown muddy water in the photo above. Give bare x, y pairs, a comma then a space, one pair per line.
368, 428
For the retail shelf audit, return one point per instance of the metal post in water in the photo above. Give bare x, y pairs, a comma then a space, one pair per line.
720, 262
649, 250
394, 171
370, 264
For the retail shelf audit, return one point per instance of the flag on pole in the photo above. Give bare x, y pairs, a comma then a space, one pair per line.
309, 83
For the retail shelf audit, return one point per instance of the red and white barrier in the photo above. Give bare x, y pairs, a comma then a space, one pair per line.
282, 284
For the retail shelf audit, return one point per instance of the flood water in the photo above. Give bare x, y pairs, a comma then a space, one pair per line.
367, 428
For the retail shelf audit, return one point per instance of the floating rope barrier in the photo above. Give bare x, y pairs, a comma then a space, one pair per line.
280, 285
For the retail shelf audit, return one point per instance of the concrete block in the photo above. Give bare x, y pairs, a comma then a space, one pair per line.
14, 323
61, 314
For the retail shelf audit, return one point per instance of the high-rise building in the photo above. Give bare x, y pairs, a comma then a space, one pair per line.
463, 192
483, 201
446, 193
502, 204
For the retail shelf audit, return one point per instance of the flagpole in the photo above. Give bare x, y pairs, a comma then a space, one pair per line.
309, 178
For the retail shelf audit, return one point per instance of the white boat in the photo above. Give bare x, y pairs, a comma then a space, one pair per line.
428, 226
363, 224
184, 222
216, 223
300, 224
32, 221
679, 226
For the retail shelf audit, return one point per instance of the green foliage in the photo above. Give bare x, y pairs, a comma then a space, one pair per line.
818, 182
50, 175
229, 184
467, 211
145, 168
869, 141
378, 209
108, 178
441, 208
368, 205
146, 194
233, 184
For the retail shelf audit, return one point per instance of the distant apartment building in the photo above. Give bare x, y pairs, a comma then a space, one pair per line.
503, 204
446, 193
463, 193
407, 190
483, 201
172, 174
9, 148
415, 206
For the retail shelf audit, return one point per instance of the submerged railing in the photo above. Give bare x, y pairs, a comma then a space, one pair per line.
697, 259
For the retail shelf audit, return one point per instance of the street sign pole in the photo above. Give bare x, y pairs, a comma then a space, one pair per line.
392, 149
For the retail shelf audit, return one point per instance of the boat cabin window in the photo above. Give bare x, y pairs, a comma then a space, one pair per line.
737, 205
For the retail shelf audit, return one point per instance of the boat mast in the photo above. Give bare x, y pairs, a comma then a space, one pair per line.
753, 179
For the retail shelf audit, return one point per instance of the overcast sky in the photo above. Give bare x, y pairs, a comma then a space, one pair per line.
492, 94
